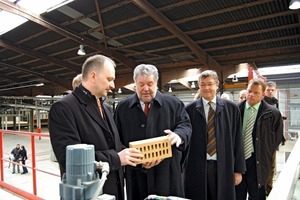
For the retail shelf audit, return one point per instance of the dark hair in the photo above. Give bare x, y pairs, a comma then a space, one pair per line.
258, 81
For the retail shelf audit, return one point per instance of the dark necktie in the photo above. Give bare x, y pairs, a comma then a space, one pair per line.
211, 141
100, 108
146, 109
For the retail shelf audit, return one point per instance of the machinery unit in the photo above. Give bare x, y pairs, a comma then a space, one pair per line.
81, 180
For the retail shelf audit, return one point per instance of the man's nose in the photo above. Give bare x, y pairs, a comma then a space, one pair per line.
112, 85
146, 87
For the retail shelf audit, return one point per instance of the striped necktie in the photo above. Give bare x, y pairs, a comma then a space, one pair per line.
248, 133
211, 141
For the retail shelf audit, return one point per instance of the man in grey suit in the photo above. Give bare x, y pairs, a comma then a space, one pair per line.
77, 119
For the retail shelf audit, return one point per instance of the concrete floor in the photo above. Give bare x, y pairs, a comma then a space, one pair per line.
48, 185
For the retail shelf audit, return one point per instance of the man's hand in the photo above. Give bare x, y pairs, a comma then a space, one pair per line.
237, 178
148, 165
130, 156
174, 138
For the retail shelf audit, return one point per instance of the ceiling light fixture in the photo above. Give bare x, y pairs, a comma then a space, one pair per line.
22, 86
235, 79
39, 84
170, 89
81, 50
193, 85
120, 91
294, 4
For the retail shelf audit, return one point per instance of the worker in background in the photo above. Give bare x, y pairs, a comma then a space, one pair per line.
243, 95
271, 89
76, 81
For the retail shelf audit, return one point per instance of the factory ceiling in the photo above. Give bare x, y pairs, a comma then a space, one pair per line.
174, 35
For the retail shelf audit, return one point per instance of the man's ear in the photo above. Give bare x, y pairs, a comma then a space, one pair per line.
92, 76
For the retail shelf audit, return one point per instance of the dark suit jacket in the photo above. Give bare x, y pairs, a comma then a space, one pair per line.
166, 112
267, 134
76, 119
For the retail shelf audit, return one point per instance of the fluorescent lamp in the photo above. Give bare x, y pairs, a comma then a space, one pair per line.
39, 84
22, 86
294, 4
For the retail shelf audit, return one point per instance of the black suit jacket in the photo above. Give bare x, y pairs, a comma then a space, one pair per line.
75, 119
166, 112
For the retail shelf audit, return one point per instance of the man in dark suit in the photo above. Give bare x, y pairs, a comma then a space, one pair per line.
216, 159
166, 116
77, 119
262, 136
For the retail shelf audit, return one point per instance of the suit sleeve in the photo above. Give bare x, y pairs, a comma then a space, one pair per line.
63, 132
278, 124
183, 126
239, 166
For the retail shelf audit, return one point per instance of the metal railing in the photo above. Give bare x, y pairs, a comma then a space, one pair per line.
11, 188
284, 187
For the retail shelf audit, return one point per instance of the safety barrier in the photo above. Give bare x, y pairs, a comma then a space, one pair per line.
284, 187
15, 190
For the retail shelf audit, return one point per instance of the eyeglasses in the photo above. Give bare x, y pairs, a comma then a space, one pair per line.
207, 85
270, 90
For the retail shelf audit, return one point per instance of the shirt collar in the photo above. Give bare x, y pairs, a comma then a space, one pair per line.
89, 94
205, 102
256, 106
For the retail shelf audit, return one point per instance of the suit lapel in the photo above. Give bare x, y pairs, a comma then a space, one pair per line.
93, 111
90, 104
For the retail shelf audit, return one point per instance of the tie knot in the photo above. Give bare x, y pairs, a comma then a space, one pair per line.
211, 103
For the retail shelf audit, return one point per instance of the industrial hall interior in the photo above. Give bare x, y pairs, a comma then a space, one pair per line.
45, 46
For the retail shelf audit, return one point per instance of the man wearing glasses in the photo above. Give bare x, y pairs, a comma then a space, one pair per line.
216, 159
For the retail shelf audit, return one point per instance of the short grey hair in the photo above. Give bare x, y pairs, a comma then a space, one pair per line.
209, 73
271, 84
145, 70
243, 92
